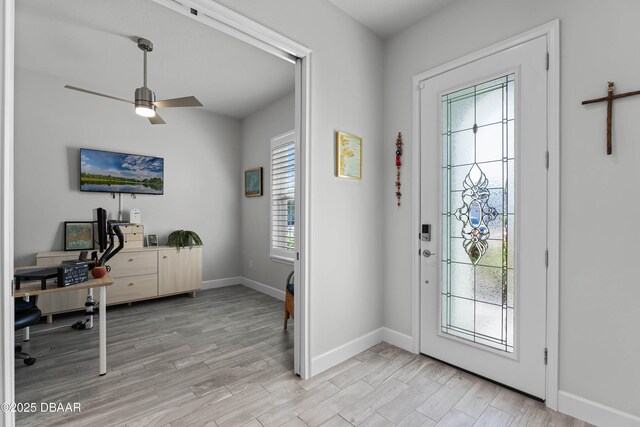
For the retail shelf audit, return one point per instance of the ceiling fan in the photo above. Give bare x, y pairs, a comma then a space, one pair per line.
145, 99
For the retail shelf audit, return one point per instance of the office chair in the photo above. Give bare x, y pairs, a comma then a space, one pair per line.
288, 299
27, 314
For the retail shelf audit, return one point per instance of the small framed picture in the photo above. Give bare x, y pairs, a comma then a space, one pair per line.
253, 182
348, 156
78, 235
152, 240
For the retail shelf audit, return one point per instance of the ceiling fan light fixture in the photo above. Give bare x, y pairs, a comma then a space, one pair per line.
144, 102
145, 111
145, 99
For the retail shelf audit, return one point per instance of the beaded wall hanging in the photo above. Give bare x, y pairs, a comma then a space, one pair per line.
399, 144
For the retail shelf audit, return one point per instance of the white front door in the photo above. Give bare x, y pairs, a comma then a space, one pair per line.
483, 136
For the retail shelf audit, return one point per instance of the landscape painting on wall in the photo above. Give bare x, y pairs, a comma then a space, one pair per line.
106, 171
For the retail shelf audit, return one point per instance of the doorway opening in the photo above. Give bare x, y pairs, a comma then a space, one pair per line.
247, 31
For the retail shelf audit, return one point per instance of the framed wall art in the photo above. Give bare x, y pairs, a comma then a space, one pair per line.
78, 235
253, 182
348, 156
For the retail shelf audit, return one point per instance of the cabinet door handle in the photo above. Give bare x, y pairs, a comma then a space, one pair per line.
165, 257
131, 284
130, 259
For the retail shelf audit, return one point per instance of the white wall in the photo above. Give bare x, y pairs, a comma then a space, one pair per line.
201, 154
257, 131
599, 343
345, 220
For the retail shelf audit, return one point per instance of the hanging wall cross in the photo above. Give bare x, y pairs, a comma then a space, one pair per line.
609, 100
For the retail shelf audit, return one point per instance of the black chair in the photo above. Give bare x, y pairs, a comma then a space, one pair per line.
27, 314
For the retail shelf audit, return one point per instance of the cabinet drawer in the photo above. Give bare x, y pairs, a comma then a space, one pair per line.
132, 228
128, 237
132, 288
133, 244
134, 264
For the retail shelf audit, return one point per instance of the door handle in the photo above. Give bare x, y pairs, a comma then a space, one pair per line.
427, 253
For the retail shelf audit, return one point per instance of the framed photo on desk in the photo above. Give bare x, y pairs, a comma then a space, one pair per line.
78, 235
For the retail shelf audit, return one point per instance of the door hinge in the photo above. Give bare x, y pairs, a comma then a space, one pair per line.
546, 258
420, 86
547, 159
12, 287
547, 61
297, 256
546, 353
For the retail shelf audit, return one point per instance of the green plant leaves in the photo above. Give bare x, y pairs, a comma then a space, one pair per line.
183, 238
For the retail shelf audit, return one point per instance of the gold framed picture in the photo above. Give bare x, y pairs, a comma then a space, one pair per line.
253, 182
348, 156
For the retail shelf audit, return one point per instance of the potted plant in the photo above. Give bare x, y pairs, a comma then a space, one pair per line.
100, 270
183, 238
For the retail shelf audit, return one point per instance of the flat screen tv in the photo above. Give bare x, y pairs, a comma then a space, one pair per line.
109, 172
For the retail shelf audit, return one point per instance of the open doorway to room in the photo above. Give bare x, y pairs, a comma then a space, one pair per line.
231, 171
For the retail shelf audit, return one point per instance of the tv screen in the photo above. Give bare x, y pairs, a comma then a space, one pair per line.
109, 172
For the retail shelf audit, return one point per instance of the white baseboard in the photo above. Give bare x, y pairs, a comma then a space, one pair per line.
398, 339
239, 280
265, 289
594, 412
220, 283
340, 354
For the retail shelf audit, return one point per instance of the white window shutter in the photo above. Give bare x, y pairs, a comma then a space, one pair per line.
283, 173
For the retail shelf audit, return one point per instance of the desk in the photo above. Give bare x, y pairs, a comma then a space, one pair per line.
33, 288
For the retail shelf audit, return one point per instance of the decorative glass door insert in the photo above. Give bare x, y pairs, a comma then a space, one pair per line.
478, 213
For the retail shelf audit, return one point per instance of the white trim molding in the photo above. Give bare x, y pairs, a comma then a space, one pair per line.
553, 214
551, 31
594, 412
239, 280
265, 289
238, 26
7, 17
221, 283
339, 354
398, 339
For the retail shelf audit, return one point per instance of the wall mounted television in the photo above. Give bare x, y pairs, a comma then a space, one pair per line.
110, 172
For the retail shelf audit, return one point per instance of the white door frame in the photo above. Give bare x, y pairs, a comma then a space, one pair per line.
552, 33
6, 210
220, 18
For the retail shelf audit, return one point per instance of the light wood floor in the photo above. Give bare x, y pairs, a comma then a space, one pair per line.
223, 359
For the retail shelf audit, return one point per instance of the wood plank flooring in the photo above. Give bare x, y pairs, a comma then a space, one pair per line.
223, 359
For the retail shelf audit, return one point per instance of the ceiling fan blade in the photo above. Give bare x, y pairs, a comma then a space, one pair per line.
187, 101
156, 120
99, 94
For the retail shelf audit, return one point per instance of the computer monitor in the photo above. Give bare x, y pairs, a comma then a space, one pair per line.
100, 224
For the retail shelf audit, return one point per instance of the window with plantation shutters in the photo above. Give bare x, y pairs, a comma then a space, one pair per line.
283, 173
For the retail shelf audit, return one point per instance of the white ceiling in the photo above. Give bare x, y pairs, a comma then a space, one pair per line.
387, 17
90, 43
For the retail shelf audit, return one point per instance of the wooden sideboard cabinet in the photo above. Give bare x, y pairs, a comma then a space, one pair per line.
138, 273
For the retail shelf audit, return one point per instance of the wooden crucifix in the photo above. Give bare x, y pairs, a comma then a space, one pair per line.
609, 99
